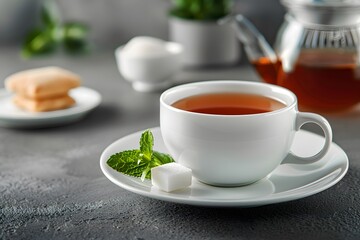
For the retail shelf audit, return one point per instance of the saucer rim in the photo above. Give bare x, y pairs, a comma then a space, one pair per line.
270, 199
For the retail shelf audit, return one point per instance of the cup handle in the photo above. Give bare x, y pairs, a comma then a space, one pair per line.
301, 119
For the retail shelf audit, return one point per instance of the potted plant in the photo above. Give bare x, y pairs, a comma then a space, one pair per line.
193, 23
52, 34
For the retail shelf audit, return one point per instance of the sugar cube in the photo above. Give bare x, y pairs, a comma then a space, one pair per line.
170, 177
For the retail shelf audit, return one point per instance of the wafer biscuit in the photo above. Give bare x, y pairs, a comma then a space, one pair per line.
49, 104
42, 83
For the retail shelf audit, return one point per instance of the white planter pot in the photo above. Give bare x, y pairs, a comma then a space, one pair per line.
205, 43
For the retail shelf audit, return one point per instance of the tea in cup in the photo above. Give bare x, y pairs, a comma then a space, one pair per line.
233, 133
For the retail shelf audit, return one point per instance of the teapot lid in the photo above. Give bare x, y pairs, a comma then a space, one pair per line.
325, 12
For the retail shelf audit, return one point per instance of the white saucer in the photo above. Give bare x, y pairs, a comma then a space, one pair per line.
11, 116
288, 182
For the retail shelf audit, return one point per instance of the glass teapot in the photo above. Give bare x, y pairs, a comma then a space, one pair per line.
316, 54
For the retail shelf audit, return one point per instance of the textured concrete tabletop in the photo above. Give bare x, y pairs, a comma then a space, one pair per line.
51, 186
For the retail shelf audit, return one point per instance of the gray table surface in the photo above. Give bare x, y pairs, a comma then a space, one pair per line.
51, 185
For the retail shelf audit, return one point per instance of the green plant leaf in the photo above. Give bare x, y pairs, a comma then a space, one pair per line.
49, 16
38, 42
45, 39
75, 37
200, 9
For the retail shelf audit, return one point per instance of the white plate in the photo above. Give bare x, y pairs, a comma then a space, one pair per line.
12, 116
287, 182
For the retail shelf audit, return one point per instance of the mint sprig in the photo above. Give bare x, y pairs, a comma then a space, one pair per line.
138, 162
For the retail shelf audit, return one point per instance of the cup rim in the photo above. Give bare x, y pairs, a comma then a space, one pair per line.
214, 82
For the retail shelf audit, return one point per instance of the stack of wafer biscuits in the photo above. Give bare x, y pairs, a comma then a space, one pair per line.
43, 89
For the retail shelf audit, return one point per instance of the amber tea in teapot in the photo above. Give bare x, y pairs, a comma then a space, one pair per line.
316, 53
321, 79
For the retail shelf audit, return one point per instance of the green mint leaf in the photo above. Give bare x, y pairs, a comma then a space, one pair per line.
138, 163
159, 158
130, 162
146, 173
146, 144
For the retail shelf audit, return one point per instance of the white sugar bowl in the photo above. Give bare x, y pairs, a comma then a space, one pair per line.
149, 63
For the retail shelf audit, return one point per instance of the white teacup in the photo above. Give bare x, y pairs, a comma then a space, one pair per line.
235, 150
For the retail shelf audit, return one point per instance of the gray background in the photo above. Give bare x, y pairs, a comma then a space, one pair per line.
114, 22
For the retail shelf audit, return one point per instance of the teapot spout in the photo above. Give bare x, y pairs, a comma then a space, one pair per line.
255, 45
